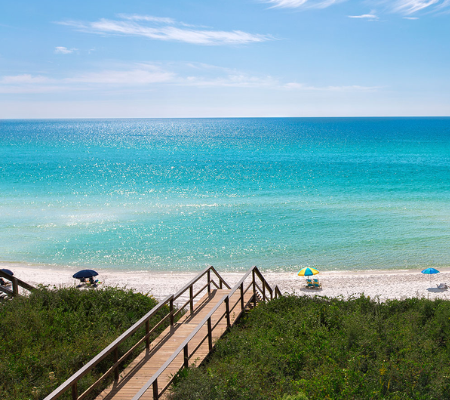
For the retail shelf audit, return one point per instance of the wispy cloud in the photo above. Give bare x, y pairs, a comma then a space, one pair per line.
64, 50
139, 75
348, 88
142, 77
412, 6
23, 79
166, 29
403, 7
303, 3
365, 16
135, 17
409, 7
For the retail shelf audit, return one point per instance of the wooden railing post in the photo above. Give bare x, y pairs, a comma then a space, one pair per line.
242, 296
227, 308
186, 356
171, 311
75, 391
15, 286
147, 330
116, 358
264, 290
191, 298
209, 281
254, 286
209, 334
155, 390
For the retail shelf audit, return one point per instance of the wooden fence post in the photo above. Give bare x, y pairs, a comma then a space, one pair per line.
227, 308
254, 287
209, 334
15, 286
116, 358
191, 298
147, 330
209, 281
171, 311
75, 391
155, 390
242, 296
186, 356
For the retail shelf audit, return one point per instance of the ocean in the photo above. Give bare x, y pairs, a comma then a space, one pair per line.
182, 194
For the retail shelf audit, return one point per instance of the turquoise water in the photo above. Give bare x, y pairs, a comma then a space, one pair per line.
280, 193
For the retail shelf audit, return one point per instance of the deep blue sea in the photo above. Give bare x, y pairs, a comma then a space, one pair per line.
181, 194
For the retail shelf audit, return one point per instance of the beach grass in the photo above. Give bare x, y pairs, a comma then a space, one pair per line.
50, 334
300, 347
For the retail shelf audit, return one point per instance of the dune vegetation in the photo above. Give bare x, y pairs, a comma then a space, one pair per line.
298, 348
50, 334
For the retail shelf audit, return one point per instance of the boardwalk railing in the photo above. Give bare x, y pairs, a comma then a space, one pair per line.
264, 292
15, 283
113, 348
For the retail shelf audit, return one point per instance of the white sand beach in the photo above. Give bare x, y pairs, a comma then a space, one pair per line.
383, 284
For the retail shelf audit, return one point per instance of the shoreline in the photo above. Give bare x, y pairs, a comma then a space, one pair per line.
381, 284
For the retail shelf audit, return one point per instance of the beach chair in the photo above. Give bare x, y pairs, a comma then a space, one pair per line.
442, 286
309, 284
4, 283
316, 283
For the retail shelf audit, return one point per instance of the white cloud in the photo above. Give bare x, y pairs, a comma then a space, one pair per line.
63, 50
231, 80
137, 76
349, 88
365, 16
168, 21
142, 77
150, 27
404, 7
408, 7
23, 79
303, 3
411, 6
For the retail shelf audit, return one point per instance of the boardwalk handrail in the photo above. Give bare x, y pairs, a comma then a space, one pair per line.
16, 282
72, 382
153, 381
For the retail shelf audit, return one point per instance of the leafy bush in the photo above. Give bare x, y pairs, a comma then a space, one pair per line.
321, 348
49, 335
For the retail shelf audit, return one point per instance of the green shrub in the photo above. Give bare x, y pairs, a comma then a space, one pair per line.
298, 396
49, 335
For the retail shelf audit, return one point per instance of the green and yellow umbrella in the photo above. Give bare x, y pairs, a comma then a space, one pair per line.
307, 271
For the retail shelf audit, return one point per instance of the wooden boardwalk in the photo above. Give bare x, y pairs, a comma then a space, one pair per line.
184, 343
136, 375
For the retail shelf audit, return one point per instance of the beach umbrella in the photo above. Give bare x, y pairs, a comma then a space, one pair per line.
7, 271
307, 271
85, 273
430, 271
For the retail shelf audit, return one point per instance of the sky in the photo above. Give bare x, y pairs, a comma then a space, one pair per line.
233, 58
